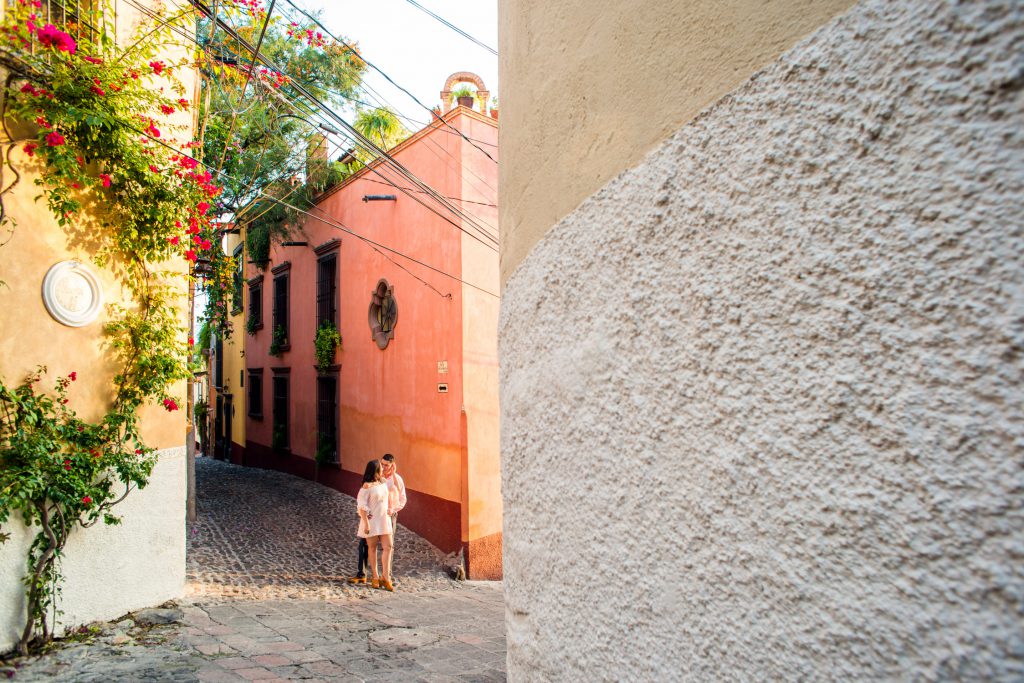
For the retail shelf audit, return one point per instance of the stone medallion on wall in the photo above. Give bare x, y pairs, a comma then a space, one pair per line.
383, 314
71, 294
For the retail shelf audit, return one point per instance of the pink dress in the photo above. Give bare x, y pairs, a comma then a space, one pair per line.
375, 501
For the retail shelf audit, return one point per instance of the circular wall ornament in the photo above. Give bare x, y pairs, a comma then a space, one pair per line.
71, 294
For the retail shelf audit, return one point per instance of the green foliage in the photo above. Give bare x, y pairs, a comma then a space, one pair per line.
254, 133
257, 237
202, 424
57, 472
278, 341
327, 340
463, 91
132, 203
205, 336
278, 438
325, 451
251, 326
382, 126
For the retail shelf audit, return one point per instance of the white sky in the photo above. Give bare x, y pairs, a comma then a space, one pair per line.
414, 49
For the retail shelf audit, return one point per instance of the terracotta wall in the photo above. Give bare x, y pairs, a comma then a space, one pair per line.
388, 399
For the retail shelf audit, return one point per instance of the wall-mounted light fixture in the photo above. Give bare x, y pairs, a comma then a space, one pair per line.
379, 198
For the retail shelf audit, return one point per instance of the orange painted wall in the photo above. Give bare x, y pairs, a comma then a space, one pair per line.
388, 399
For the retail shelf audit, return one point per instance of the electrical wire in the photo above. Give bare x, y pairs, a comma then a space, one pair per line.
334, 223
360, 140
453, 27
378, 70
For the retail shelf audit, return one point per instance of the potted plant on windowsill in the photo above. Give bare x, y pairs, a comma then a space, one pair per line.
464, 96
278, 439
494, 107
327, 340
279, 342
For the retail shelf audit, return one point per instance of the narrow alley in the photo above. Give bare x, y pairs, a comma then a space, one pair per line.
267, 599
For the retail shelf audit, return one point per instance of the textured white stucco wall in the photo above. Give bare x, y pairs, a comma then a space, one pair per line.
761, 395
110, 570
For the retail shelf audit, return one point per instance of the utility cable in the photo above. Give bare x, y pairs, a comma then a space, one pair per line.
360, 139
453, 27
378, 70
327, 221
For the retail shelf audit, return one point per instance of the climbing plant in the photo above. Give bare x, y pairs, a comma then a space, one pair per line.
95, 113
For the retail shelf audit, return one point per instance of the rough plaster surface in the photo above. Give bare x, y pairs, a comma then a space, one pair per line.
761, 395
588, 88
110, 570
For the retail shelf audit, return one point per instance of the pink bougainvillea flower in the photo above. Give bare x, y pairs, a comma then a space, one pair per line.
98, 90
30, 89
183, 103
202, 207
138, 451
67, 465
105, 179
77, 186
156, 66
205, 246
191, 255
167, 109
54, 139
92, 60
170, 405
30, 148
51, 36
174, 240
154, 169
42, 122
94, 453
86, 500
191, 341
73, 376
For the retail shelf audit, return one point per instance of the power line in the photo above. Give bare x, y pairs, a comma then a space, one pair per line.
378, 70
330, 222
453, 27
357, 137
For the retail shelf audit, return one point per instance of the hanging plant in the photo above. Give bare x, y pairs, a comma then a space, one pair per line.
327, 340
96, 137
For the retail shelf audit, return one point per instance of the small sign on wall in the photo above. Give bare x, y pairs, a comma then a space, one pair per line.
442, 367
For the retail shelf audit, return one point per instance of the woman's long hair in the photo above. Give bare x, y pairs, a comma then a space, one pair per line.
374, 472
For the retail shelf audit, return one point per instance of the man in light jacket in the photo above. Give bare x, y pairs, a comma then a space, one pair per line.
396, 492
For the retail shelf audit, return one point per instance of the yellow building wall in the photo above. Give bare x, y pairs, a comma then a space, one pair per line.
234, 354
589, 88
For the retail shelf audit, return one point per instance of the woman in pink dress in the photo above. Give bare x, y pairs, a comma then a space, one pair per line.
374, 521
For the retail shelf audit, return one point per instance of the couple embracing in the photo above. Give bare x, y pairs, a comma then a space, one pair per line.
380, 498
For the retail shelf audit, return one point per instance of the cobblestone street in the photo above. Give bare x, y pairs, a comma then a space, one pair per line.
266, 599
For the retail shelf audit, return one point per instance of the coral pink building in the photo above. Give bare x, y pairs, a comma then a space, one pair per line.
416, 373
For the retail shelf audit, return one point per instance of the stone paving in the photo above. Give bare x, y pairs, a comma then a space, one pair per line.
267, 600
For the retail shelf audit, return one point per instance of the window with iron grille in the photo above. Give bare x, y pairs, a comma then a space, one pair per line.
256, 304
279, 437
256, 394
281, 305
327, 419
327, 291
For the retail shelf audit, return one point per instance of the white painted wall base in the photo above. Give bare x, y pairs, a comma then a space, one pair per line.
110, 570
